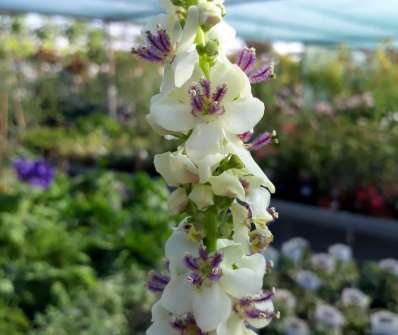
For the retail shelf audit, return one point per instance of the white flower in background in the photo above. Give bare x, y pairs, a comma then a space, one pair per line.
384, 323
294, 248
329, 316
295, 326
308, 280
341, 252
271, 255
168, 42
210, 108
354, 297
324, 262
211, 281
390, 265
286, 298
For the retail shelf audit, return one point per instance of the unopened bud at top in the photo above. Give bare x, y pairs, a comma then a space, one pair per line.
210, 14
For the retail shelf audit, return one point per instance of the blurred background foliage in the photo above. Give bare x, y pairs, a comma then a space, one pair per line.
73, 257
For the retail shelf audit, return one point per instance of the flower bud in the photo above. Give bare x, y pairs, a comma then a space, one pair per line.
210, 14
178, 201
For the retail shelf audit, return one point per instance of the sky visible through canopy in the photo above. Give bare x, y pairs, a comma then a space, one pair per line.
363, 23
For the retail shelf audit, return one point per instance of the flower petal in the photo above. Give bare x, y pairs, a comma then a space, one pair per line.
177, 296
207, 165
241, 282
226, 184
235, 146
183, 66
211, 306
161, 328
177, 246
178, 200
242, 115
238, 85
233, 326
190, 29
255, 262
175, 168
171, 115
204, 140
202, 196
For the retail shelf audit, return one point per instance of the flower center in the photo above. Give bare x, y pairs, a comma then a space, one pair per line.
204, 102
157, 47
249, 307
186, 325
205, 268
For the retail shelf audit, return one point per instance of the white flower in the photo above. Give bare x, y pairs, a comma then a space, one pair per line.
183, 240
390, 265
308, 280
176, 168
211, 281
354, 297
384, 323
341, 252
323, 262
286, 298
329, 316
167, 41
295, 326
209, 108
294, 248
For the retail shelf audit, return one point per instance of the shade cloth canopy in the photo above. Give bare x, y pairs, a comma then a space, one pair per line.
363, 23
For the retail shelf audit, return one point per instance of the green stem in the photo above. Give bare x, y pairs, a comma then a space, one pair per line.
201, 40
211, 230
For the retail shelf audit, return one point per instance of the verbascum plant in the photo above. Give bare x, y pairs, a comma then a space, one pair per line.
213, 283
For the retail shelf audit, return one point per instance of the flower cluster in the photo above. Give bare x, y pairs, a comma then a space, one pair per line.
330, 293
39, 173
215, 269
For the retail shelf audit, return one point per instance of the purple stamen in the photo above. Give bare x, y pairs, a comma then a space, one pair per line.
206, 87
265, 296
261, 141
164, 40
246, 137
158, 282
157, 47
247, 59
195, 279
220, 93
154, 42
161, 278
196, 100
215, 108
215, 274
216, 260
264, 73
204, 255
147, 54
191, 263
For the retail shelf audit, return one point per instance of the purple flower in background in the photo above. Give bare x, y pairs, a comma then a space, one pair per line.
38, 173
